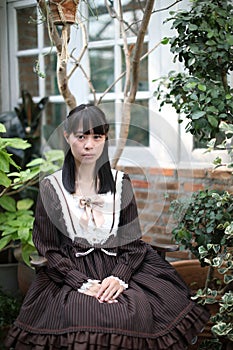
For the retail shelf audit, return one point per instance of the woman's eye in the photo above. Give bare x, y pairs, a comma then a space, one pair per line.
80, 137
98, 137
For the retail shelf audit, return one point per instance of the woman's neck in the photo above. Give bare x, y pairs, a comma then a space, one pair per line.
85, 181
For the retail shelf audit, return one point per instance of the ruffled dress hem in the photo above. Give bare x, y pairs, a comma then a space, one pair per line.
176, 338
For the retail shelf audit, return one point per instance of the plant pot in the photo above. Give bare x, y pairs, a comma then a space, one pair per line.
8, 278
63, 11
194, 275
26, 275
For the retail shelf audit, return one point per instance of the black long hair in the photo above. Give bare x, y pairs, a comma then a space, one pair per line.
93, 121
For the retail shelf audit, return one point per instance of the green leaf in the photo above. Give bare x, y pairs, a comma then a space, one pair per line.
228, 97
4, 161
24, 204
4, 180
230, 40
23, 234
4, 241
228, 278
213, 121
165, 41
8, 203
193, 27
201, 87
35, 162
27, 250
16, 143
54, 155
198, 115
2, 128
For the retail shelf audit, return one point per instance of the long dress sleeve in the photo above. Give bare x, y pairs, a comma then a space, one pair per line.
47, 239
130, 255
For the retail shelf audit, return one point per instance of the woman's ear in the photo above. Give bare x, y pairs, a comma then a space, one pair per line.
66, 136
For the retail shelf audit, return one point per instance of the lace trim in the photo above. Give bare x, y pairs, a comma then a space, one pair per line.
79, 254
85, 286
122, 283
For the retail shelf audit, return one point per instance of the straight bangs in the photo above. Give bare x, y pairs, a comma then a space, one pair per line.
89, 120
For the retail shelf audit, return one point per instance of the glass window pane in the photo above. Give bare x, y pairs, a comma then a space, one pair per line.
51, 86
109, 109
55, 114
47, 40
101, 25
28, 79
132, 14
102, 68
27, 28
139, 125
143, 73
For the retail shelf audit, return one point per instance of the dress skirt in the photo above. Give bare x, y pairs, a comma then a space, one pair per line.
155, 312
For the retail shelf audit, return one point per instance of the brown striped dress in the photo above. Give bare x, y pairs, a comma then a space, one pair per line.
155, 312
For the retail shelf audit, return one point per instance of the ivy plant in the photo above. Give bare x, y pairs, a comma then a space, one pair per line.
204, 44
205, 227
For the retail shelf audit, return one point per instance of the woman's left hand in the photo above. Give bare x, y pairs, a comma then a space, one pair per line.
110, 289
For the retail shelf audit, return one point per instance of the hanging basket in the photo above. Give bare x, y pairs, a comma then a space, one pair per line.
63, 11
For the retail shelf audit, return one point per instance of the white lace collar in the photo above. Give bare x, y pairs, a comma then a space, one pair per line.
73, 213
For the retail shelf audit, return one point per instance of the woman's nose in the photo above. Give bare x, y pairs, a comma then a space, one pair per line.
88, 143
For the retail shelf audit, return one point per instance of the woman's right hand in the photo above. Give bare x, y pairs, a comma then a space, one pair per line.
93, 291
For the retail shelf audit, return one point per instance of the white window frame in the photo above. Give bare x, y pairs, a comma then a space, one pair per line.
4, 66
170, 145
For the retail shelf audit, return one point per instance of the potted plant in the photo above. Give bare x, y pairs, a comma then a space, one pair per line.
16, 213
9, 309
205, 227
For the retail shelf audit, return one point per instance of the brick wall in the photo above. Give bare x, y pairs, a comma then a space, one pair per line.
155, 188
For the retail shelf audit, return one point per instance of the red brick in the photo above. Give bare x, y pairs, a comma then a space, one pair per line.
193, 173
167, 185
147, 217
140, 183
141, 195
192, 187
162, 171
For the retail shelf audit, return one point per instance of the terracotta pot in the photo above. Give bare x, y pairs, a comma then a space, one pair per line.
194, 276
63, 11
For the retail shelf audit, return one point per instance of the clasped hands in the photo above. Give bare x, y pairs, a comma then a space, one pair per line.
105, 292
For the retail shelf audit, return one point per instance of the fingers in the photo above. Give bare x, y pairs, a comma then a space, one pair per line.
109, 290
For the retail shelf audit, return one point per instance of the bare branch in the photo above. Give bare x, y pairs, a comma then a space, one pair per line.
84, 48
127, 52
110, 86
166, 8
138, 49
61, 44
89, 83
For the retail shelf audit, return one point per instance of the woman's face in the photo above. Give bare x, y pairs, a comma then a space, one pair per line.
86, 149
